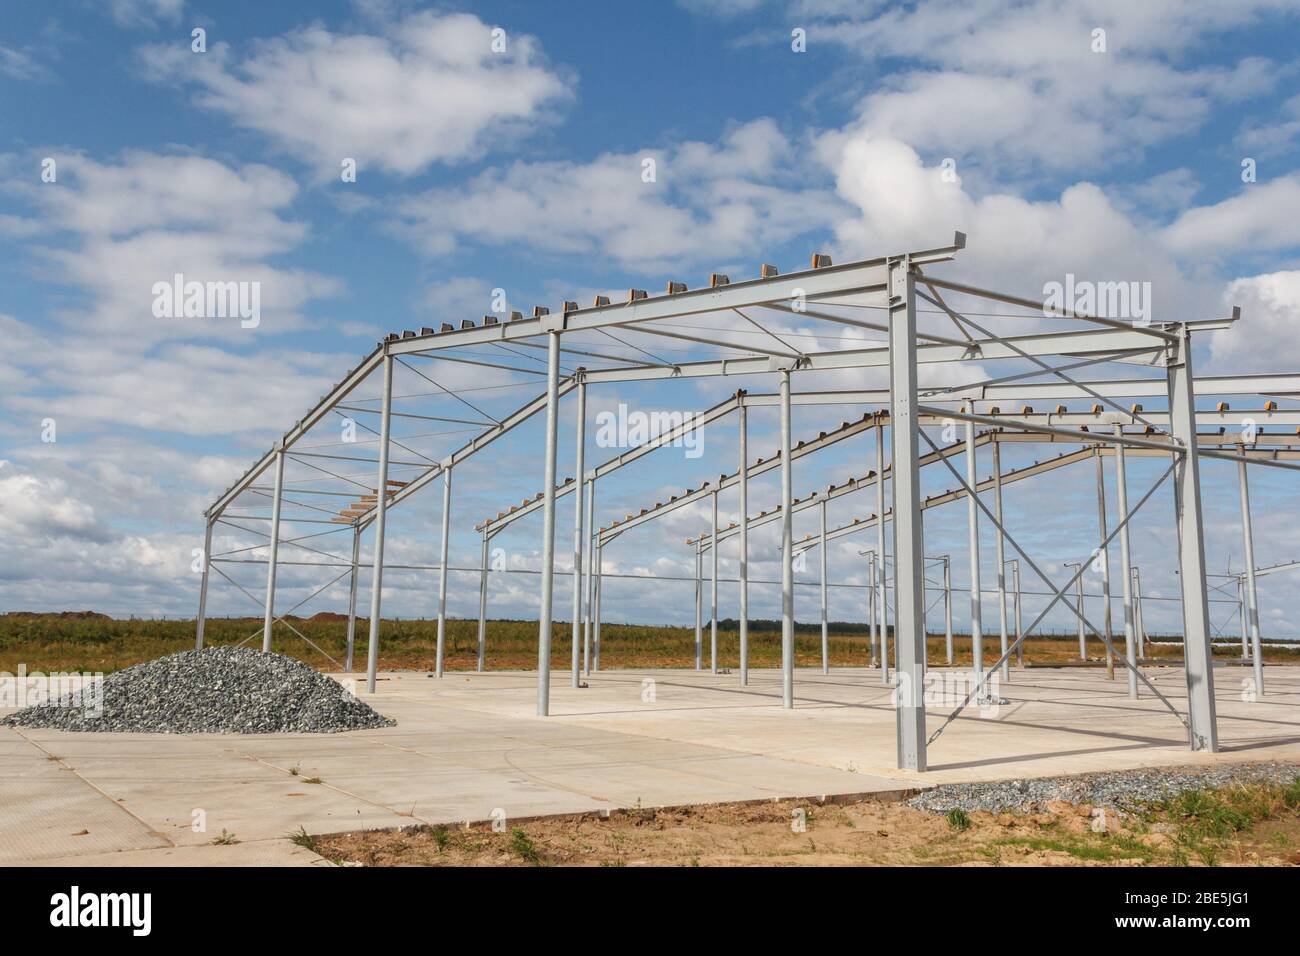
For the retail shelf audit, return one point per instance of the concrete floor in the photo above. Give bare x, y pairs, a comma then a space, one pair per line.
469, 745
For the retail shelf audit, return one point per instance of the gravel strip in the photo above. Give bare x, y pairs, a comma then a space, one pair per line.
219, 690
1118, 789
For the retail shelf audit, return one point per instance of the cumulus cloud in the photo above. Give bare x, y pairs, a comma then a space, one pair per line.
113, 230
427, 89
706, 201
35, 508
1016, 88
1266, 338
1261, 218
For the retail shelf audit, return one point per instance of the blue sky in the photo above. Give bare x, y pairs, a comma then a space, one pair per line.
521, 170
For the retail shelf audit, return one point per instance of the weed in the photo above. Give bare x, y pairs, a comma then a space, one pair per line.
303, 839
523, 847
226, 839
958, 819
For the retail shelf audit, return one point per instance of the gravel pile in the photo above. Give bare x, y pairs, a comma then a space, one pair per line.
219, 690
1118, 789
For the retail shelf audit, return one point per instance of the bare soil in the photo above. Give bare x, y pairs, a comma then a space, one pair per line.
804, 833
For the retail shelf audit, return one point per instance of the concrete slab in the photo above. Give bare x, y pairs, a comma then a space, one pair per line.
470, 744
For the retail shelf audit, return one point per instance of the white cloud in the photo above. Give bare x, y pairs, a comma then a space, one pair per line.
708, 203
1016, 244
113, 230
1015, 89
1261, 218
36, 508
429, 89
1266, 337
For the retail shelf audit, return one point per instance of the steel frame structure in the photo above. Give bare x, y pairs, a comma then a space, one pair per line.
906, 408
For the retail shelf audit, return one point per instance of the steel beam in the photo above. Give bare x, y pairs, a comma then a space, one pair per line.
580, 422
482, 604
947, 606
442, 572
598, 566
743, 472
1199, 663
882, 564
1001, 558
381, 513
871, 603
1252, 596
545, 619
787, 551
269, 620
1103, 552
909, 548
352, 599
699, 606
973, 536
589, 535
203, 584
1125, 564
713, 596
826, 657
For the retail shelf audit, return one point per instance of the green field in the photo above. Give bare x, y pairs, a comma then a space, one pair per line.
88, 642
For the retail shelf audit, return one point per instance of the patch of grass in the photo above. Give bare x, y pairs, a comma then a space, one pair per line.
441, 838
303, 839
1208, 821
523, 847
958, 819
226, 839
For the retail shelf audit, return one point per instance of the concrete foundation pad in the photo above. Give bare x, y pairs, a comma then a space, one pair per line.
469, 746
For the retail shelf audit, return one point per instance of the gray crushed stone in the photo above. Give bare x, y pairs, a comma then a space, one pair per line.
1119, 789
218, 690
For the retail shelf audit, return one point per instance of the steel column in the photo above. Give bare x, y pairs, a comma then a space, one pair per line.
744, 544
826, 654
269, 621
381, 515
1252, 597
482, 604
1139, 626
1103, 552
596, 567
579, 490
1191, 548
787, 552
909, 548
442, 572
882, 565
203, 585
713, 590
590, 589
699, 604
1001, 558
352, 598
947, 606
1125, 565
871, 602
548, 525
973, 534
1015, 604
